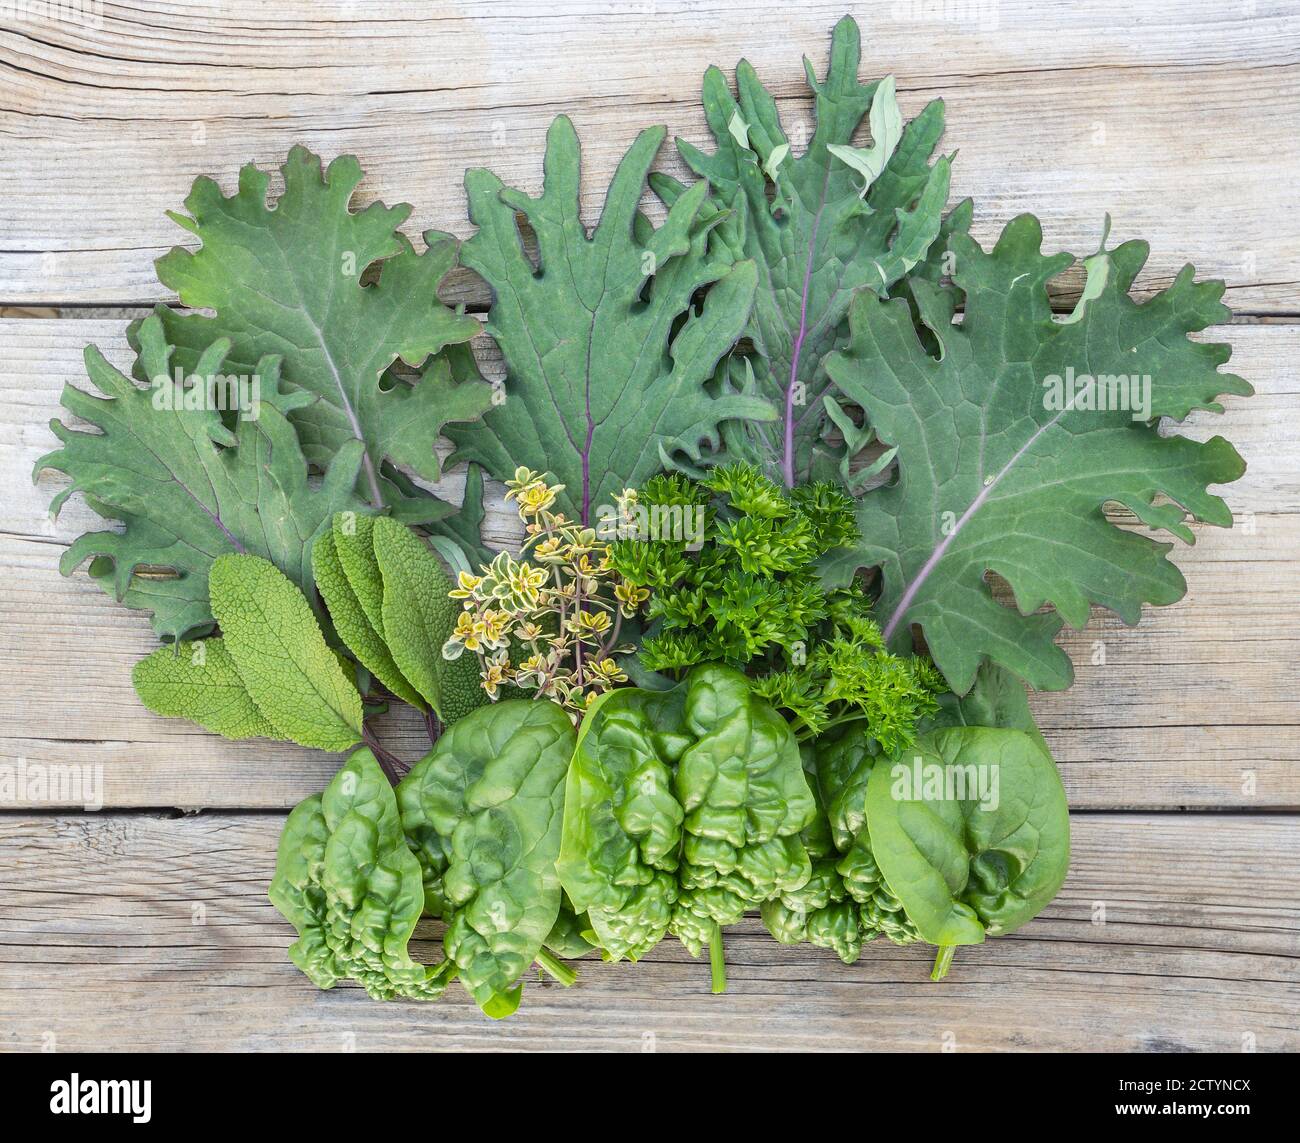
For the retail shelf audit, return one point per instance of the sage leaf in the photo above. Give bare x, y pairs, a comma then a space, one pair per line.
418, 616
352, 623
199, 681
278, 649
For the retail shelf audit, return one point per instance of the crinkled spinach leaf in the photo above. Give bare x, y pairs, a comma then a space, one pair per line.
682, 809
483, 812
845, 903
347, 882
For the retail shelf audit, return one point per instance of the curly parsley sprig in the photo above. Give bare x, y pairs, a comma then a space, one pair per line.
745, 591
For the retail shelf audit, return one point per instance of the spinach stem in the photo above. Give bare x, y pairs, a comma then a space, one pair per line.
548, 962
943, 961
717, 961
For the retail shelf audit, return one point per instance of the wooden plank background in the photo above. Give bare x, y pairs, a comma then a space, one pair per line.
1179, 743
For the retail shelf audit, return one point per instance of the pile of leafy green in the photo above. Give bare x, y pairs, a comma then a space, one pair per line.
471, 833
682, 810
859, 419
742, 587
947, 866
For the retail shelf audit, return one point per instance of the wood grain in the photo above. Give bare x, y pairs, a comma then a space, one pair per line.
134, 929
1171, 718
1174, 122
139, 932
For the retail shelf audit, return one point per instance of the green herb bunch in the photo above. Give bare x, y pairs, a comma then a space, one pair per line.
741, 587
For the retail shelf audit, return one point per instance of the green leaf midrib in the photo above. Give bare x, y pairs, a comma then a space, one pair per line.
354, 421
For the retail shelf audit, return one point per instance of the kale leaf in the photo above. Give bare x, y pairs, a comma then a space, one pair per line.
608, 357
187, 487
817, 234
1012, 440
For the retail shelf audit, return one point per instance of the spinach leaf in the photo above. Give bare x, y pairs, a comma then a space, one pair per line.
819, 911
997, 699
971, 833
347, 882
482, 812
845, 903
682, 810
567, 937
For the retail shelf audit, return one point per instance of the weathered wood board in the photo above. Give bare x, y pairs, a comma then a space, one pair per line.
1179, 927
140, 932
1175, 118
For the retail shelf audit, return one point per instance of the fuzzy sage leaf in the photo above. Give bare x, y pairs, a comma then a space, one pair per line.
279, 651
199, 681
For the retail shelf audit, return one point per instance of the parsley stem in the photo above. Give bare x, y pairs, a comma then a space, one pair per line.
808, 732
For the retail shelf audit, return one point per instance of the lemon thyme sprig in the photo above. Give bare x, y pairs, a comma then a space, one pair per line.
549, 619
